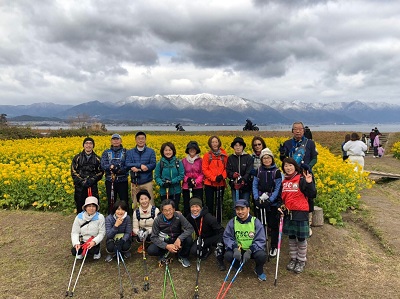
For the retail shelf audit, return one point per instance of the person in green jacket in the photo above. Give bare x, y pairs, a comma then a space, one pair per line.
169, 173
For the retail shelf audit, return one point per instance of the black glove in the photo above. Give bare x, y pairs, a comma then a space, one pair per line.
305, 166
118, 245
219, 250
115, 169
282, 150
191, 183
166, 183
90, 182
237, 254
219, 178
247, 255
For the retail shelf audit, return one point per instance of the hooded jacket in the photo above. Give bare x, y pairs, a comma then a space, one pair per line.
213, 166
210, 226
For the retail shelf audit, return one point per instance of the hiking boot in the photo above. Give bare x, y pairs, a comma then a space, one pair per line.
206, 254
273, 252
221, 265
291, 265
97, 256
299, 268
79, 257
184, 261
261, 277
109, 257
127, 254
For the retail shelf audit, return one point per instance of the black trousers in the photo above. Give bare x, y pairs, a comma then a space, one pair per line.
120, 191
81, 193
260, 257
186, 198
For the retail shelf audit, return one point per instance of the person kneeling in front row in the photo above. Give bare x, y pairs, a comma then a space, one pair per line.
244, 238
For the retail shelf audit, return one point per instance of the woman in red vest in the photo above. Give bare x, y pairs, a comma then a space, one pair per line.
297, 188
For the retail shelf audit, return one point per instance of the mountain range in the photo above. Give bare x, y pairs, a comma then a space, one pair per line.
211, 109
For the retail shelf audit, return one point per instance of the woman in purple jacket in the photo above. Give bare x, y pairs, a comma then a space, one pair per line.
192, 185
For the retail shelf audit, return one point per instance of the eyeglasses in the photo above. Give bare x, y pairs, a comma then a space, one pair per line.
257, 144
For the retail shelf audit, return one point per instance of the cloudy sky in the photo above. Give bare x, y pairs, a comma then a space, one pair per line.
67, 51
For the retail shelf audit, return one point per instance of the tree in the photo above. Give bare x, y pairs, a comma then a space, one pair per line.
3, 119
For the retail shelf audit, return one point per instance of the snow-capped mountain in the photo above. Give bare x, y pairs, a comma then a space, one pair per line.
213, 109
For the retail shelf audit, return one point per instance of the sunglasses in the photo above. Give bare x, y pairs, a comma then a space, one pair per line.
257, 144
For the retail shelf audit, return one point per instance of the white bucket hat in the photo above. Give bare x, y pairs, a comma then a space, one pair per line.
91, 200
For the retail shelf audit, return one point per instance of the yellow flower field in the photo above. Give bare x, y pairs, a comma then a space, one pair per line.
36, 172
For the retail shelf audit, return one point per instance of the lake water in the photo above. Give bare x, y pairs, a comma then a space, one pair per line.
334, 127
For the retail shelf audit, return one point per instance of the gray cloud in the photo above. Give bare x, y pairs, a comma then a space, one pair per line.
82, 50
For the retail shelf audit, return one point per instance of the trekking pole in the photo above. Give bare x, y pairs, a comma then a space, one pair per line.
220, 199
112, 194
233, 279
127, 272
263, 216
226, 279
89, 191
279, 248
72, 273
199, 255
166, 260
121, 289
84, 252
146, 284
216, 204
167, 191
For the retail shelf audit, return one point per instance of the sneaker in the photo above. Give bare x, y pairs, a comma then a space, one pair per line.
109, 257
79, 257
140, 249
261, 277
273, 252
97, 256
184, 261
310, 234
127, 254
291, 265
299, 267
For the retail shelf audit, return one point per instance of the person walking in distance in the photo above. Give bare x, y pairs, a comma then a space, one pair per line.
113, 163
86, 171
141, 160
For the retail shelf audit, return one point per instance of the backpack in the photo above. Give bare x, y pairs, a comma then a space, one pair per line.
210, 158
261, 184
300, 151
152, 214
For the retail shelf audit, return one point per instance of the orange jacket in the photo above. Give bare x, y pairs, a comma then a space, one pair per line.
213, 166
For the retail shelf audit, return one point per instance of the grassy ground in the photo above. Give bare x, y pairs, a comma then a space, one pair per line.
359, 260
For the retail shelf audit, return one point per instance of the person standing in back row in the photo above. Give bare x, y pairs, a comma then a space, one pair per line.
303, 151
86, 172
214, 170
141, 160
113, 163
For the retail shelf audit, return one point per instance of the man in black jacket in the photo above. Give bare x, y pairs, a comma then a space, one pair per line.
86, 172
208, 232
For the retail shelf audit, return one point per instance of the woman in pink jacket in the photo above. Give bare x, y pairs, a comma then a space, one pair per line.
192, 185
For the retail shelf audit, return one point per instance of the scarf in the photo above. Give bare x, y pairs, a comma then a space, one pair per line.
217, 153
87, 217
194, 217
123, 217
190, 159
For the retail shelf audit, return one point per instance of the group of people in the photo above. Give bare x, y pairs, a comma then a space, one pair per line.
354, 147
287, 192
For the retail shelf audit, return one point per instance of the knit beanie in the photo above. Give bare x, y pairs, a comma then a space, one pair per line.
196, 201
266, 151
88, 139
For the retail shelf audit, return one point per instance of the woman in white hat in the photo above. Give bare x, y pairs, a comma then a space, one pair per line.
89, 229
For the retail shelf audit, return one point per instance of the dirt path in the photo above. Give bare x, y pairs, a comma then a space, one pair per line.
382, 202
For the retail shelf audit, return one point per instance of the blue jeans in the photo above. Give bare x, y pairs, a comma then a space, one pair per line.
242, 195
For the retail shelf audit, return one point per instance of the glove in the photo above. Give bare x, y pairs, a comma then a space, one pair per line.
305, 167
247, 255
237, 255
219, 250
115, 169
166, 183
282, 150
239, 185
264, 196
236, 175
219, 178
191, 183
142, 234
118, 245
